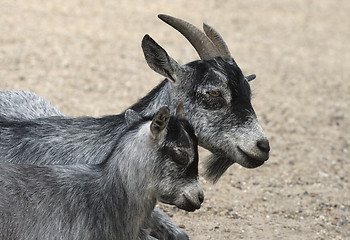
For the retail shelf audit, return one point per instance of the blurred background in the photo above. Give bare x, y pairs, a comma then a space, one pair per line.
86, 58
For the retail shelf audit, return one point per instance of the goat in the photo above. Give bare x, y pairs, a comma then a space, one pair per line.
154, 159
216, 96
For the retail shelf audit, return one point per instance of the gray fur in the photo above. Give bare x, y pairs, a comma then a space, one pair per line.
226, 125
110, 200
25, 105
230, 130
65, 140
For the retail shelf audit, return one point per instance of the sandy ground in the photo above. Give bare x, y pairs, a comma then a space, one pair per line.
85, 57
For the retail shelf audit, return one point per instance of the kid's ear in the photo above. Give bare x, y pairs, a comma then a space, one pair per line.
180, 112
160, 122
158, 59
132, 117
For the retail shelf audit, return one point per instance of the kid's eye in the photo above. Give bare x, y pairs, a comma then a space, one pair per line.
181, 157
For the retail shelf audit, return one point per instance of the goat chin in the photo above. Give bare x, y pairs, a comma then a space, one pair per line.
217, 164
189, 200
188, 203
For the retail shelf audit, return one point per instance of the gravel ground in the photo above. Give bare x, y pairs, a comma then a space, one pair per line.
85, 57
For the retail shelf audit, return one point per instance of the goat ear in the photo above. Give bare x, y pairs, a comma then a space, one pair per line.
160, 122
158, 59
250, 77
180, 112
132, 117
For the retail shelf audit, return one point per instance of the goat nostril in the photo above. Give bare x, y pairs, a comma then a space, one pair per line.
201, 197
263, 145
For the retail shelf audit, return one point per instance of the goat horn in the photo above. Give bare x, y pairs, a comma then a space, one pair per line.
203, 45
219, 42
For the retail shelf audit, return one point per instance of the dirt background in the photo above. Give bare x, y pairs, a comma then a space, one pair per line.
85, 57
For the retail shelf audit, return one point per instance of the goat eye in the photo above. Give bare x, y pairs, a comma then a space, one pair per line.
214, 93
181, 157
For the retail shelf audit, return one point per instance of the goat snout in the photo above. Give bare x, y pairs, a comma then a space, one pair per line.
262, 150
263, 145
191, 200
254, 155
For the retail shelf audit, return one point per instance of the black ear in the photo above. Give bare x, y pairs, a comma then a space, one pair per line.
132, 117
158, 59
250, 77
160, 122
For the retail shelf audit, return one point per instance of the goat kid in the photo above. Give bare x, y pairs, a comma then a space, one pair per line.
35, 139
155, 159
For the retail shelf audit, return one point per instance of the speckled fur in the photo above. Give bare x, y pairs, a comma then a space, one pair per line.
25, 105
110, 200
225, 125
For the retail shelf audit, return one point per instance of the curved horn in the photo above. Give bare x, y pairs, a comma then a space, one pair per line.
203, 45
219, 42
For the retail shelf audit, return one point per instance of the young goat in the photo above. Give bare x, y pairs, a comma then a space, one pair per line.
153, 160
